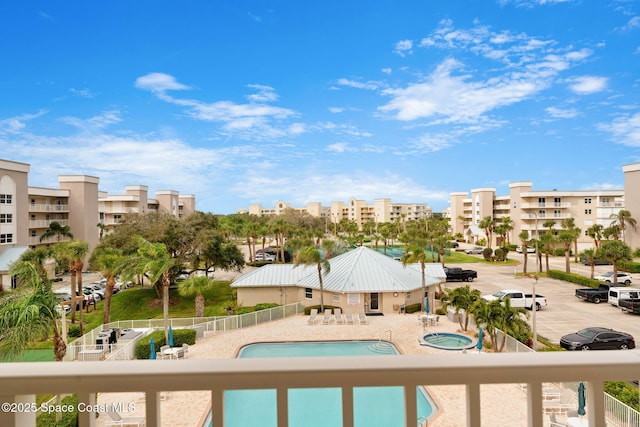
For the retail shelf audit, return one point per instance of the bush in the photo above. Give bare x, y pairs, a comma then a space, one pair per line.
67, 419
307, 310
624, 392
180, 336
486, 254
412, 308
266, 305
573, 278
630, 266
73, 331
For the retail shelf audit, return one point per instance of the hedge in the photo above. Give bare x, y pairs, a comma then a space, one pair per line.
573, 278
307, 310
630, 267
412, 308
180, 336
67, 418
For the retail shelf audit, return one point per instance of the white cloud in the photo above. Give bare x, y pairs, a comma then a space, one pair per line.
370, 85
387, 70
632, 24
83, 93
560, 113
338, 147
625, 130
532, 3
403, 47
159, 82
585, 85
265, 94
17, 124
336, 110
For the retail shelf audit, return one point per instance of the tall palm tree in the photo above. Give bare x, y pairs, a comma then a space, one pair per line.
462, 299
569, 224
524, 242
154, 260
595, 232
624, 218
614, 251
57, 230
73, 253
311, 256
417, 254
30, 314
196, 286
499, 315
111, 262
590, 256
487, 224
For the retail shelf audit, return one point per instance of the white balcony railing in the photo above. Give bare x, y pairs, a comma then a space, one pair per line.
281, 374
36, 207
45, 223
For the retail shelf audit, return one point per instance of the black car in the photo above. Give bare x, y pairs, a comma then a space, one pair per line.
597, 339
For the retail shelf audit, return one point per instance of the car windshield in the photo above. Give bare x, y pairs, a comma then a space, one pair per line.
587, 333
499, 294
609, 274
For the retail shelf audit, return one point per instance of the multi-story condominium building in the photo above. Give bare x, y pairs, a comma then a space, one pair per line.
529, 210
27, 212
382, 210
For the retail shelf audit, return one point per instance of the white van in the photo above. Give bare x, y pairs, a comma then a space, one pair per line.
617, 293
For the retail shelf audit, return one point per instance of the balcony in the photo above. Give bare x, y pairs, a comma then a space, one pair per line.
45, 223
216, 376
48, 208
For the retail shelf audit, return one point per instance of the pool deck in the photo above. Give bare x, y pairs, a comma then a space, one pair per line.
187, 408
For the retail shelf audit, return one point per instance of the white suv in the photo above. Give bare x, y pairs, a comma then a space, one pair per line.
608, 278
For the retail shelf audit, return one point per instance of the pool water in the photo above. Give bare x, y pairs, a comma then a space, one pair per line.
448, 341
321, 407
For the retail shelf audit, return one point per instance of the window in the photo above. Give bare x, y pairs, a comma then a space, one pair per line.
6, 238
408, 295
33, 233
542, 201
117, 218
587, 200
556, 213
541, 214
587, 211
308, 293
6, 199
557, 201
336, 297
6, 218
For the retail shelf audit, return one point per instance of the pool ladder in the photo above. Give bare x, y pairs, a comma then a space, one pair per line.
383, 347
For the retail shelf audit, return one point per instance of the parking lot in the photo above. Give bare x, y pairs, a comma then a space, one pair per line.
564, 313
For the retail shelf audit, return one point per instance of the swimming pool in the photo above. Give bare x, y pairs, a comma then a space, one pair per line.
321, 407
447, 341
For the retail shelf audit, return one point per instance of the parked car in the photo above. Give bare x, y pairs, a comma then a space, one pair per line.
97, 289
585, 261
518, 298
597, 338
265, 256
595, 295
530, 250
457, 273
474, 250
608, 278
454, 244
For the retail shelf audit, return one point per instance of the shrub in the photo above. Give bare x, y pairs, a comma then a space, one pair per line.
412, 308
624, 392
630, 266
307, 310
67, 418
180, 336
266, 305
486, 254
73, 331
573, 278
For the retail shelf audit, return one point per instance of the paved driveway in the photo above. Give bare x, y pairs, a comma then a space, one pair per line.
565, 313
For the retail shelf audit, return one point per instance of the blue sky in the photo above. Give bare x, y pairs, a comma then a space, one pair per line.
243, 102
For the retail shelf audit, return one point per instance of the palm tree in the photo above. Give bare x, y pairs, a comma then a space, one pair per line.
590, 256
624, 218
155, 261
595, 232
567, 237
196, 286
417, 254
30, 314
614, 251
487, 224
500, 315
55, 229
462, 299
524, 242
311, 256
111, 263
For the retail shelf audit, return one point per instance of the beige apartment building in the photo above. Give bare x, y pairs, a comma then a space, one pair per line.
27, 212
382, 210
529, 209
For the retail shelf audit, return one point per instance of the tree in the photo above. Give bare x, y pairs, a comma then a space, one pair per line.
462, 299
30, 314
154, 260
595, 232
72, 253
524, 242
57, 230
500, 315
569, 224
196, 286
310, 256
614, 251
417, 254
487, 224
590, 256
567, 237
111, 262
622, 219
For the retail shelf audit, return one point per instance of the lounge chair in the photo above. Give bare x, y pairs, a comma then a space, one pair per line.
327, 317
553, 422
362, 318
348, 316
115, 419
313, 316
339, 319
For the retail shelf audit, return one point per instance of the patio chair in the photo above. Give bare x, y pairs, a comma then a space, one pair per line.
362, 318
185, 347
553, 422
327, 317
313, 316
339, 318
348, 316
115, 419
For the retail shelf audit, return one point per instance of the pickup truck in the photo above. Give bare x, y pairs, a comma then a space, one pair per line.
595, 295
630, 305
457, 274
518, 298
